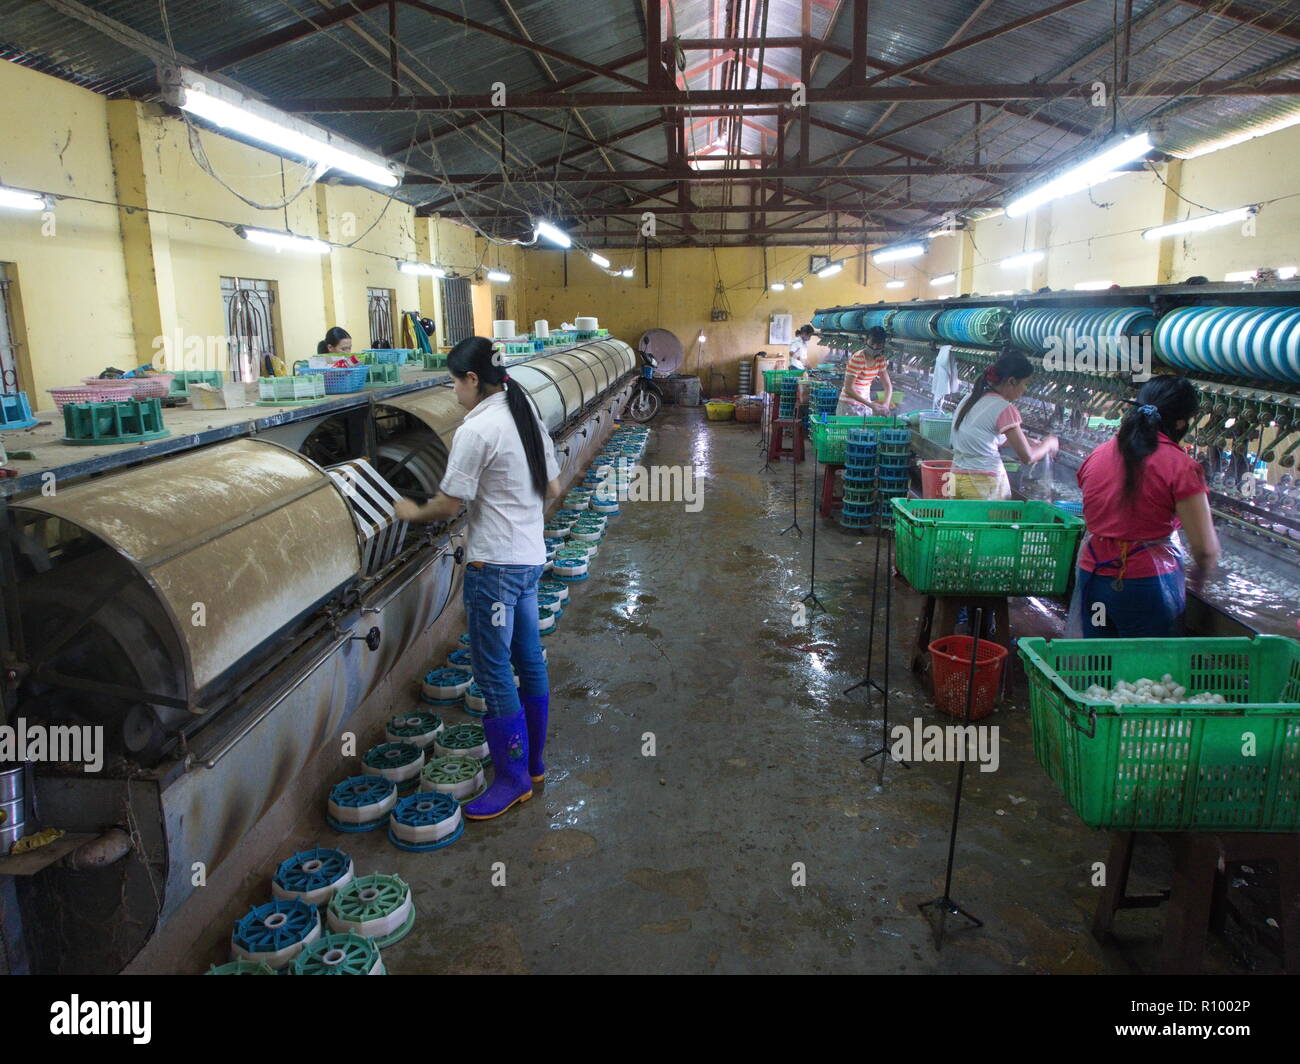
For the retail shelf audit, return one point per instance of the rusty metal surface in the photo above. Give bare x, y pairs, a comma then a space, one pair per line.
251, 531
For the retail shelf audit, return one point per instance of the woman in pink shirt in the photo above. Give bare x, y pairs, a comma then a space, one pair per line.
1137, 490
986, 421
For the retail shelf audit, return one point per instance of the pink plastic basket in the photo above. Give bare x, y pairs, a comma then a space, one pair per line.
154, 387
100, 392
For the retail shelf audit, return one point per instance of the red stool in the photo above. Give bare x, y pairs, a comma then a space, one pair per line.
777, 446
829, 498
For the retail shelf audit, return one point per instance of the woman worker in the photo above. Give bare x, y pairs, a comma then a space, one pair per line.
338, 341
860, 373
503, 465
1137, 489
986, 420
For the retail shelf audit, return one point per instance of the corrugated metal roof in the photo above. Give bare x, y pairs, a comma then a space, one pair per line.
1170, 40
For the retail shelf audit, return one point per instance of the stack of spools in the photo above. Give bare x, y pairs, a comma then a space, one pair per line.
789, 395
893, 469
745, 377
859, 504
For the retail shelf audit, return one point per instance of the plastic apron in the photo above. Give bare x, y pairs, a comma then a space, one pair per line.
1169, 549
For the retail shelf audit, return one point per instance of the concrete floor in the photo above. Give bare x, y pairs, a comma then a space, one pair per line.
682, 862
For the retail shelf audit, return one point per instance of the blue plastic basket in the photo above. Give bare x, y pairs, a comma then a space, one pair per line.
342, 381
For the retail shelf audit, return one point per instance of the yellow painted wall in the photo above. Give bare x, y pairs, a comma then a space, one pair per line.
72, 278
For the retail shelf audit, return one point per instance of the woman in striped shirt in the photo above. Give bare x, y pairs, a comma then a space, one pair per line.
860, 373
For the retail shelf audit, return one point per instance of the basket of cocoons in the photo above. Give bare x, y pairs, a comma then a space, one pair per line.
1197, 734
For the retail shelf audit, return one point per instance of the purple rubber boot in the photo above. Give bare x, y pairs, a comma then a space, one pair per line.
536, 712
508, 743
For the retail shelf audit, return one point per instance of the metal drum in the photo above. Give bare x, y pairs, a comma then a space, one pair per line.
11, 806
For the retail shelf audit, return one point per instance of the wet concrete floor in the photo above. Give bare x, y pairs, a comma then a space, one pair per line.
686, 861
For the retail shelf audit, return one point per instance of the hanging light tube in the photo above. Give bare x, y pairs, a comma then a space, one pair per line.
422, 269
282, 241
894, 254
498, 276
1024, 259
830, 269
1092, 171
22, 200
1200, 224
235, 113
947, 278
552, 233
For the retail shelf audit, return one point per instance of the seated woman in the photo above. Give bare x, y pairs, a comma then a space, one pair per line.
338, 341
987, 420
1137, 489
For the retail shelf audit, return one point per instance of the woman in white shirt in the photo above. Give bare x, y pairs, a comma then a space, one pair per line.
502, 464
986, 421
799, 347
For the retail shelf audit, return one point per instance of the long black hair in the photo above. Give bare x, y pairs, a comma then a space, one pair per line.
332, 339
477, 355
1161, 403
1011, 365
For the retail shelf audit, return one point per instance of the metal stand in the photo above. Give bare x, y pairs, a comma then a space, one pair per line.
766, 434
793, 526
868, 680
944, 905
811, 598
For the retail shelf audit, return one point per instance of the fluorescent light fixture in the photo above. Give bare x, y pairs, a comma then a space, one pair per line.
902, 251
1198, 225
1241, 138
422, 269
285, 134
941, 232
797, 284
627, 271
283, 241
22, 200
1092, 171
947, 278
1024, 259
1092, 286
893, 284
701, 338
498, 275
600, 261
778, 286
1285, 273
830, 270
554, 235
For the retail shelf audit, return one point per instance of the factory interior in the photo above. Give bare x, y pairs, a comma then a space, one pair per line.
905, 400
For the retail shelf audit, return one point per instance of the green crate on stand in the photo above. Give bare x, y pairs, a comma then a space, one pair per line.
383, 374
183, 378
773, 377
1171, 767
437, 360
128, 421
980, 547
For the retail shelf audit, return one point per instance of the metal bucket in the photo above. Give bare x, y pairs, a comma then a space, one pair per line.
11, 807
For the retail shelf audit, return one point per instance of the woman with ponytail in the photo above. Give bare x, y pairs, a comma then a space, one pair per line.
1137, 490
502, 466
338, 341
988, 420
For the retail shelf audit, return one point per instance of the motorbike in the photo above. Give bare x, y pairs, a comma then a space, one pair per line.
648, 397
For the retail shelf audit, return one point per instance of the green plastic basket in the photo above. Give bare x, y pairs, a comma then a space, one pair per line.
978, 547
438, 360
829, 434
1171, 768
772, 377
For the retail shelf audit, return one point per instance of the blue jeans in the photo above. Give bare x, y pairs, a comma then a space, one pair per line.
501, 608
1146, 608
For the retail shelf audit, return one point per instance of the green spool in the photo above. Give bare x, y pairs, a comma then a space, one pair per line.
342, 954
449, 774
379, 908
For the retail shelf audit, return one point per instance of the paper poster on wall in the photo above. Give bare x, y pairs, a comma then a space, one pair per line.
780, 330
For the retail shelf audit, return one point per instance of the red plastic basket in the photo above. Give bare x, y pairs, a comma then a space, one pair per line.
932, 484
950, 670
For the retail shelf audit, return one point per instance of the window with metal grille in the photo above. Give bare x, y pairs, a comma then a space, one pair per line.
380, 304
8, 342
457, 309
250, 326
